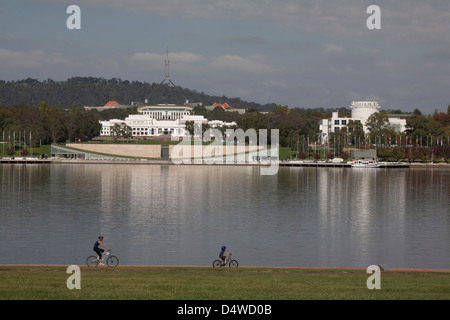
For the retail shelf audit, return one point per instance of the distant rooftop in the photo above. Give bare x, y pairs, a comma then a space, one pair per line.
111, 103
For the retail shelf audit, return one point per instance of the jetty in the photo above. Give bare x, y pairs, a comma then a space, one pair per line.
330, 164
292, 163
25, 160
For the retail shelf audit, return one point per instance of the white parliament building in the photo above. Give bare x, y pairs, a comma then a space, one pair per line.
361, 111
159, 120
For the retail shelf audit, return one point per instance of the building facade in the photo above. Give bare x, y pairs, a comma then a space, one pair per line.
154, 121
165, 112
361, 111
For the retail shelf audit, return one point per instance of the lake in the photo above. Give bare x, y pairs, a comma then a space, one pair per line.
183, 214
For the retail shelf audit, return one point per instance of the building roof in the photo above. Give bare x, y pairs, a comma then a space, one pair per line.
111, 103
168, 107
223, 105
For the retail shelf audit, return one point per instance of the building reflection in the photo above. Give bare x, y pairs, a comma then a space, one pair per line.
358, 209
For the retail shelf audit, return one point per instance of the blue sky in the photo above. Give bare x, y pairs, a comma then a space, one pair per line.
291, 52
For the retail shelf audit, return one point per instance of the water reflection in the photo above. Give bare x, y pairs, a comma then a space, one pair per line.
181, 215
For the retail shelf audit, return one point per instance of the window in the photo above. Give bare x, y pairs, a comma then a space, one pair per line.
336, 121
344, 122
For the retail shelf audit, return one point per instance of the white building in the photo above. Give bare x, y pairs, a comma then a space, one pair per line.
165, 112
153, 121
361, 111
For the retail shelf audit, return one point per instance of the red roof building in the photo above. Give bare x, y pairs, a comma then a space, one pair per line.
223, 105
111, 104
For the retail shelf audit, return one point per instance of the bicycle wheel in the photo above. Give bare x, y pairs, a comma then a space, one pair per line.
92, 261
233, 264
217, 264
112, 261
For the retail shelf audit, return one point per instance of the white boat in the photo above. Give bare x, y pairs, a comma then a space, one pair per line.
365, 164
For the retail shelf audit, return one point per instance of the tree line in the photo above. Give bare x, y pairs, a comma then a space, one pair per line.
94, 91
423, 130
34, 126
426, 138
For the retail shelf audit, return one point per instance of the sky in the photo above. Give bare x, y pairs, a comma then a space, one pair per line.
297, 53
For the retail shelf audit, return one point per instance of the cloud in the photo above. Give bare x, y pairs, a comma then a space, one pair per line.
244, 39
30, 59
12, 39
401, 19
187, 61
183, 60
388, 64
253, 64
291, 51
333, 49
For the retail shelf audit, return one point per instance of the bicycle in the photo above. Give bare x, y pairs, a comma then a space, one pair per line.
231, 263
111, 260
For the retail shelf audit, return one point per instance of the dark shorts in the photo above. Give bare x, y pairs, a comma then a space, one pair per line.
99, 252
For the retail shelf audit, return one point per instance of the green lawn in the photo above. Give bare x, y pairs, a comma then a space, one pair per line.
206, 283
37, 151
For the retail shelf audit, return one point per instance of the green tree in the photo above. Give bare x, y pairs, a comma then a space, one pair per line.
43, 107
121, 130
421, 126
378, 126
353, 130
255, 120
115, 131
55, 124
282, 110
69, 122
87, 124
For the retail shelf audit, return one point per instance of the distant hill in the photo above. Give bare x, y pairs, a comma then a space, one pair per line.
92, 91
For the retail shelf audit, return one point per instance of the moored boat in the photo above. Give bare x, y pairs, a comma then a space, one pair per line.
365, 164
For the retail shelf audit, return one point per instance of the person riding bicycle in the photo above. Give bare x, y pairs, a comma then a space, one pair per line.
98, 250
223, 255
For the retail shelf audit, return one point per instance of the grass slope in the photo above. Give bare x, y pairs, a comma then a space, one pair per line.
200, 283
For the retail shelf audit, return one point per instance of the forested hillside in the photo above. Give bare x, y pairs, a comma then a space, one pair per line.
91, 91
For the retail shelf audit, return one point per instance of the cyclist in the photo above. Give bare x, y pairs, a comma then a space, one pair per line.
223, 255
98, 250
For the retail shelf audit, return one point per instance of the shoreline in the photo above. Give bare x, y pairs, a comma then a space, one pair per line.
241, 267
413, 165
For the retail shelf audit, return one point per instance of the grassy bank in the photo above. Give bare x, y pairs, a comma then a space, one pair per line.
35, 152
200, 283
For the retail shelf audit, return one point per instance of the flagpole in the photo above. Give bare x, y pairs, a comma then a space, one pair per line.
31, 147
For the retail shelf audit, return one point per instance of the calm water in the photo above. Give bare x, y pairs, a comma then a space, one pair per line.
182, 215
